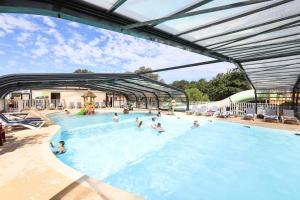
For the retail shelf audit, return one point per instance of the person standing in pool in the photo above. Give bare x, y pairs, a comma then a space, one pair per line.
116, 118
60, 148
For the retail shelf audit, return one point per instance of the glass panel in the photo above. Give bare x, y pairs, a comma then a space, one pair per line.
285, 10
152, 9
246, 33
268, 36
107, 4
180, 25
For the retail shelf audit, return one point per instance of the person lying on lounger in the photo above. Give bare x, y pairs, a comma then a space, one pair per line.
60, 148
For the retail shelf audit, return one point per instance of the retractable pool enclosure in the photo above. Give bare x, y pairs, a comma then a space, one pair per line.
135, 88
261, 37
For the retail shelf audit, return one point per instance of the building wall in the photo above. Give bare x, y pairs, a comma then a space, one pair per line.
67, 96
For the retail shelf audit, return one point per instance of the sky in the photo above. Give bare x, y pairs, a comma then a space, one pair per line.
40, 44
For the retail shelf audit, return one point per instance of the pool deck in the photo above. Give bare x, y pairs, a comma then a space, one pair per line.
29, 170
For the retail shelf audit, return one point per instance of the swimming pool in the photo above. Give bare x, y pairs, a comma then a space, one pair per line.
218, 160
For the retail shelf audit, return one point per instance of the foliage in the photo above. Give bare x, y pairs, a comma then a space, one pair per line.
220, 87
195, 94
82, 71
149, 75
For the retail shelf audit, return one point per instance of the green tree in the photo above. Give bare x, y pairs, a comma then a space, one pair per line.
182, 84
149, 75
220, 87
227, 84
82, 71
195, 94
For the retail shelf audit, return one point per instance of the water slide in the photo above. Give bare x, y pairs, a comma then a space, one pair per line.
244, 96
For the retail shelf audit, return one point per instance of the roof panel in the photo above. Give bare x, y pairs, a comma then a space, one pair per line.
152, 9
255, 35
178, 26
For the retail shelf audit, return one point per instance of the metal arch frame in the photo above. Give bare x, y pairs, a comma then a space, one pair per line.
141, 91
163, 84
106, 18
103, 82
135, 90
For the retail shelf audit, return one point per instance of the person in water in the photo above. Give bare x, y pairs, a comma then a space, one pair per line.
153, 125
116, 118
67, 112
159, 128
60, 148
158, 114
140, 125
195, 124
137, 120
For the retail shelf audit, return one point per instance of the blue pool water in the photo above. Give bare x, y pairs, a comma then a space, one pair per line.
216, 161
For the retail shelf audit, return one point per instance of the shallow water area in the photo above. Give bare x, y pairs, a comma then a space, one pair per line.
218, 160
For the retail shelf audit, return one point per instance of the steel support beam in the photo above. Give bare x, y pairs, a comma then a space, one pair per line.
255, 97
182, 66
116, 5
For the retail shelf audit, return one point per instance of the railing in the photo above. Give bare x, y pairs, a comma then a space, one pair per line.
237, 109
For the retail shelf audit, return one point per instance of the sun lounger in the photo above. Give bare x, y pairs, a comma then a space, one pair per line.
211, 111
71, 105
97, 105
270, 115
60, 106
19, 116
288, 116
201, 110
79, 105
225, 113
194, 109
249, 114
27, 123
51, 106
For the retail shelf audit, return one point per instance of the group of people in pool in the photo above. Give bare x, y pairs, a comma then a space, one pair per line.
156, 126
60, 148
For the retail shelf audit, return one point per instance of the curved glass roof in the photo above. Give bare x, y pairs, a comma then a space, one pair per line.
262, 37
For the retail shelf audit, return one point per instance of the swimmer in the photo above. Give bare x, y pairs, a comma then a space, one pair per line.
60, 147
195, 124
153, 125
158, 114
159, 128
137, 120
67, 112
140, 124
116, 118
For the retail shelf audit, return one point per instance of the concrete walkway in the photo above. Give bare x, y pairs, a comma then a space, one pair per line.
29, 170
